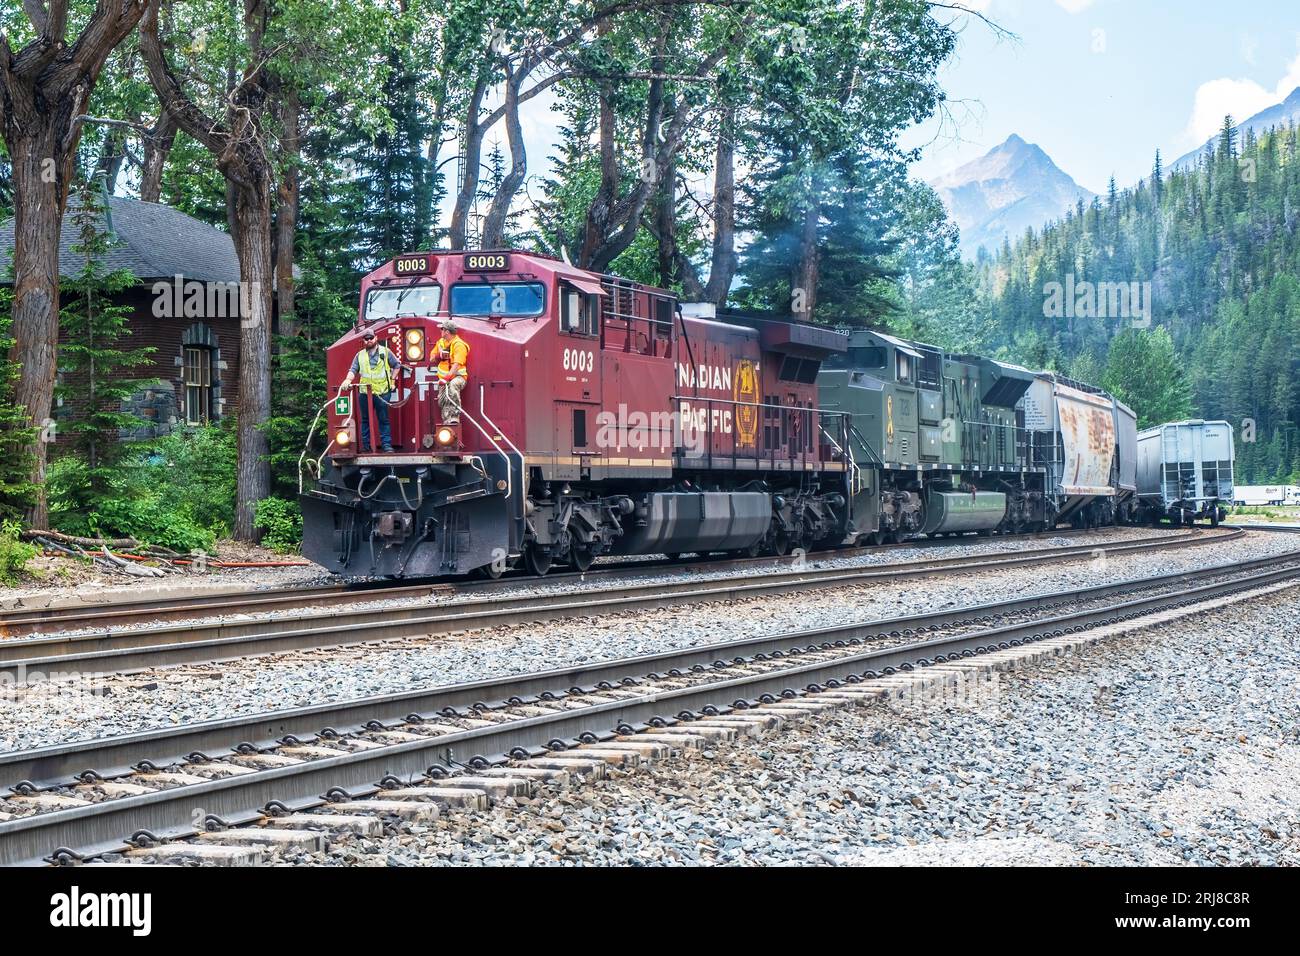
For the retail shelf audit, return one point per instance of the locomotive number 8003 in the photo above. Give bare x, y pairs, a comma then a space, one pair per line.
487, 262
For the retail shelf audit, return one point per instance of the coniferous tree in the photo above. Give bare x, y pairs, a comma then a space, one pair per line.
94, 363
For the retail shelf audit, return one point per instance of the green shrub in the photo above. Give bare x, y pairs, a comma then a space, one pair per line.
177, 492
280, 522
14, 553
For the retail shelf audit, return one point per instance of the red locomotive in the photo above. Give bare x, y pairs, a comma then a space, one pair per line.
595, 418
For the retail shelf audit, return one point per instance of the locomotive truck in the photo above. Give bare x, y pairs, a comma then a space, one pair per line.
602, 417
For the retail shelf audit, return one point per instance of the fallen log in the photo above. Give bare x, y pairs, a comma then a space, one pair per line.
125, 544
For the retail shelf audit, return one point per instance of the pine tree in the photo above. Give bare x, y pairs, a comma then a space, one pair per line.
92, 359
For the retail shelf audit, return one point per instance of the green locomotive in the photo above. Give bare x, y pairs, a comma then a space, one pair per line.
941, 441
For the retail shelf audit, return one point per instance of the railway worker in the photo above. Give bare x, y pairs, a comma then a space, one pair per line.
453, 371
376, 366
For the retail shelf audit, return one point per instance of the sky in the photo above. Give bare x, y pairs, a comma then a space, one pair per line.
1101, 84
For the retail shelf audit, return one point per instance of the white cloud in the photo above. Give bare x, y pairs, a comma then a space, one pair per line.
1241, 98
1074, 6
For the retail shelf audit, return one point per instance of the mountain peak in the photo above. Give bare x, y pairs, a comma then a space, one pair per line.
1012, 187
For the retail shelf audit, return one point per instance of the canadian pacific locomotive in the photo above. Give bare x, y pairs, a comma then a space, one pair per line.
603, 417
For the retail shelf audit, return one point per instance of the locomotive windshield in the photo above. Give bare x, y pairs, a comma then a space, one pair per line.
408, 300
498, 298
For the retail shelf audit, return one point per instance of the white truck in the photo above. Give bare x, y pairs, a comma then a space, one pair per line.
1264, 495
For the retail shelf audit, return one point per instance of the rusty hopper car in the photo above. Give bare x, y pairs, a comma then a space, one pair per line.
1074, 434
597, 419
1185, 471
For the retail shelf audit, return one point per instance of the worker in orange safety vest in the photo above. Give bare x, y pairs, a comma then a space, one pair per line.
453, 371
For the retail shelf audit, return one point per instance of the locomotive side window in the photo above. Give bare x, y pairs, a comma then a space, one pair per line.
577, 312
388, 303
904, 368
513, 299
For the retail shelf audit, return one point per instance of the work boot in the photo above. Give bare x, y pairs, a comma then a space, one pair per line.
388, 448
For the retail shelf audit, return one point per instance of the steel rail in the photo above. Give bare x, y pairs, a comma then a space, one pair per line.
41, 658
114, 756
101, 827
29, 621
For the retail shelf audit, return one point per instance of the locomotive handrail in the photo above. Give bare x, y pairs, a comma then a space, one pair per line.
758, 455
482, 408
492, 441
855, 473
307, 445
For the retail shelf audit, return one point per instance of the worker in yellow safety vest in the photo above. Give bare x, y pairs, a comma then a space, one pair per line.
453, 371
376, 367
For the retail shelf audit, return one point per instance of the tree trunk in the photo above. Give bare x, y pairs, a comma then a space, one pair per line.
723, 268
157, 147
803, 291
666, 227
474, 131
40, 194
494, 226
286, 216
252, 234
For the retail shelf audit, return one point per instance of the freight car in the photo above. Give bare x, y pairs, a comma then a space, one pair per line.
597, 419
1086, 441
1185, 471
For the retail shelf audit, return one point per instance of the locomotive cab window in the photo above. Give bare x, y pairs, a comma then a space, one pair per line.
388, 303
509, 299
872, 356
577, 312
904, 368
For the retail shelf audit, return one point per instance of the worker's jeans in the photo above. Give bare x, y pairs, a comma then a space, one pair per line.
449, 399
381, 413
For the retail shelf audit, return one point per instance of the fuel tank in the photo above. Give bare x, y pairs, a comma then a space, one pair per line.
699, 521
947, 511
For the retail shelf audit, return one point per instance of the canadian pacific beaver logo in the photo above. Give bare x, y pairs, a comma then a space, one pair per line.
746, 396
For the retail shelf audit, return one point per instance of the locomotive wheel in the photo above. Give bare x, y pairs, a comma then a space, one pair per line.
582, 557
878, 538
491, 571
780, 545
536, 560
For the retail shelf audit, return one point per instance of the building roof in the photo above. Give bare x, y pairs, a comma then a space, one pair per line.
152, 240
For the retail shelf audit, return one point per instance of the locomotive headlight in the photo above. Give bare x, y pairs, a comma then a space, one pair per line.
446, 435
414, 337
342, 438
414, 353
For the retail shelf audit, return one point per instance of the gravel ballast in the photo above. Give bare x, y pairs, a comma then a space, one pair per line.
195, 693
1178, 745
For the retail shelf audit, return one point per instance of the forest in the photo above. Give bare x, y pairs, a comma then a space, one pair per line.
742, 152
1218, 245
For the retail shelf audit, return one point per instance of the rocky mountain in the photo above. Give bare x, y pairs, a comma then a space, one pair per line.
1281, 115
1010, 188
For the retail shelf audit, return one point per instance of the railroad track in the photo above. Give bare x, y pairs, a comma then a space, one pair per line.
27, 621
127, 650
451, 745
